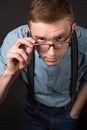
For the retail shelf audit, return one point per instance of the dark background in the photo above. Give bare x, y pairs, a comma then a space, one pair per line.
14, 14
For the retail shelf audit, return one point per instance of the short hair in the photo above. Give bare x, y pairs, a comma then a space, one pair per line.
50, 11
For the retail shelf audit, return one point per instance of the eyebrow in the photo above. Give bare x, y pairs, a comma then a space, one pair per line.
42, 37
39, 37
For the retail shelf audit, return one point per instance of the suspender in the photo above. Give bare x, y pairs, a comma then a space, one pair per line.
31, 75
30, 70
74, 64
74, 68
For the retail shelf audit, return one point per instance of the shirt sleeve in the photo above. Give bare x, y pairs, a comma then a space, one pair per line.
6, 45
8, 42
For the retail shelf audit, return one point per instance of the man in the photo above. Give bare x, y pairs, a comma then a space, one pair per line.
49, 34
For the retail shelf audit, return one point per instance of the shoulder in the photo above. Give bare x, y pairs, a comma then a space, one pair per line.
81, 31
18, 32
82, 39
14, 35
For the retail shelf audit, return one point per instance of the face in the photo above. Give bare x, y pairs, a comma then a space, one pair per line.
53, 39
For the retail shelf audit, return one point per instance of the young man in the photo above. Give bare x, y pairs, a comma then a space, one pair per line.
50, 34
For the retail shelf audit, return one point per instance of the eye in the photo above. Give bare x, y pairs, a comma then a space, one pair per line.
40, 40
60, 38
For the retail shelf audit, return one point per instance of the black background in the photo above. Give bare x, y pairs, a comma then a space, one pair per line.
14, 14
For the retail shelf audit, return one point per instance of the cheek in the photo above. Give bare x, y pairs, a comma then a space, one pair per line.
41, 55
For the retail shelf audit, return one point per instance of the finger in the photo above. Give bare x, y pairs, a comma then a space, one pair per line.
14, 56
25, 41
20, 52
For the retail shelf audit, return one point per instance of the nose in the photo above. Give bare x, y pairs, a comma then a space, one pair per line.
51, 51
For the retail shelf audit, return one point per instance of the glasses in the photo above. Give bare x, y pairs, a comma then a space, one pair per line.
57, 44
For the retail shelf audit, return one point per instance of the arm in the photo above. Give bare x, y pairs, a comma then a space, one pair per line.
17, 59
5, 82
80, 101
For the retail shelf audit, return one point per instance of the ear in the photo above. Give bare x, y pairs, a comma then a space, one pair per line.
73, 26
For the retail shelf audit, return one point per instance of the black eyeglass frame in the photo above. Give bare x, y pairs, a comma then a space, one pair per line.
36, 44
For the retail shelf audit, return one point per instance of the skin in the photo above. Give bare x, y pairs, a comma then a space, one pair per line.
18, 57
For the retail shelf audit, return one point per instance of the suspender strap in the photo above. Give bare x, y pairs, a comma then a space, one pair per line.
31, 76
30, 70
74, 64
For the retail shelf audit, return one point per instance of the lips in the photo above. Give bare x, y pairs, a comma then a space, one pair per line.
51, 59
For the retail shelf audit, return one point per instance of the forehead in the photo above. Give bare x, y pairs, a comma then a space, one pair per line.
45, 29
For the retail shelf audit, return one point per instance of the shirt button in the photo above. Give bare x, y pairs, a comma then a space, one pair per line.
50, 78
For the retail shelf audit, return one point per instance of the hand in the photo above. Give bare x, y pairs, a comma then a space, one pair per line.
19, 55
74, 114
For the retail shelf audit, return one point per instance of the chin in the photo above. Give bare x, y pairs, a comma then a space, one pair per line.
51, 64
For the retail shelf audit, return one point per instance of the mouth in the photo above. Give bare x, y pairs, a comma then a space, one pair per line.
51, 59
